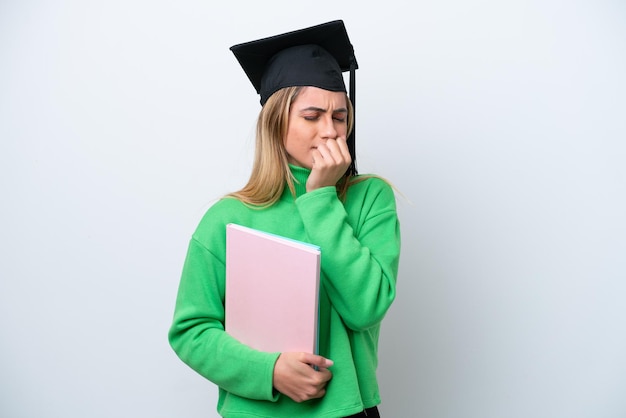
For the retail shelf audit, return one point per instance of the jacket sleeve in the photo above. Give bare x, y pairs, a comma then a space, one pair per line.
197, 333
359, 257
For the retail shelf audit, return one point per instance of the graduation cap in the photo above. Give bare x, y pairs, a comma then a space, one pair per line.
315, 56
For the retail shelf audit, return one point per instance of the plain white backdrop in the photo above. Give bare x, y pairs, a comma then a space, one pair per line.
503, 124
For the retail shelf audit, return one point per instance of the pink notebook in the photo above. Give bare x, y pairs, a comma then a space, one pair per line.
272, 287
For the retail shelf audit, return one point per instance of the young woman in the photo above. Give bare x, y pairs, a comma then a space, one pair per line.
303, 186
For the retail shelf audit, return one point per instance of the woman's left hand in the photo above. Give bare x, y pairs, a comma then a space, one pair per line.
330, 162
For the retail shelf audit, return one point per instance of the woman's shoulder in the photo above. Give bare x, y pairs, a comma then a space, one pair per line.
219, 214
227, 203
371, 183
371, 190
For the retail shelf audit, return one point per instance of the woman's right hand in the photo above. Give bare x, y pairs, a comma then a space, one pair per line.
294, 375
330, 162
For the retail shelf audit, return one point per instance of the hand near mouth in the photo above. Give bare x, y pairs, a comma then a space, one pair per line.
330, 161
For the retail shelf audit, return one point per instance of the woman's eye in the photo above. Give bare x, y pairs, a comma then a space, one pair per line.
339, 117
312, 116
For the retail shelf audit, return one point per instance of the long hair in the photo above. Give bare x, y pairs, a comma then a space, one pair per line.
270, 169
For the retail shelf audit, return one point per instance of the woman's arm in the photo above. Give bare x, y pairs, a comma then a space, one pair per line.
197, 333
359, 257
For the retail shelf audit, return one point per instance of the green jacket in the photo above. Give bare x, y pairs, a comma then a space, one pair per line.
360, 245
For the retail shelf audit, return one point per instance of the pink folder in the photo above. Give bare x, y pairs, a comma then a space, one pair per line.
272, 287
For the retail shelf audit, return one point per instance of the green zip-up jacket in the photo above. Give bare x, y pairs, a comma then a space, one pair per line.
360, 244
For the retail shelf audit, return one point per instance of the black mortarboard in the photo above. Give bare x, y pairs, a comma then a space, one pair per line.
316, 56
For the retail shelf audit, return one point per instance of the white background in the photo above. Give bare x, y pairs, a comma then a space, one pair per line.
503, 124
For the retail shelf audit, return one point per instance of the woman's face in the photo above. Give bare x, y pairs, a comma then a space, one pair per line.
315, 116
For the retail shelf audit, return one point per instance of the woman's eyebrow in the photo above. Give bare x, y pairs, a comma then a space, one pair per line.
321, 110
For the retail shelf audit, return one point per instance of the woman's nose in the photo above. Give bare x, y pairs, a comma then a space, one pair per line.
329, 130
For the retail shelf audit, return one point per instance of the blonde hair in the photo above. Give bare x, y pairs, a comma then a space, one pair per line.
270, 169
